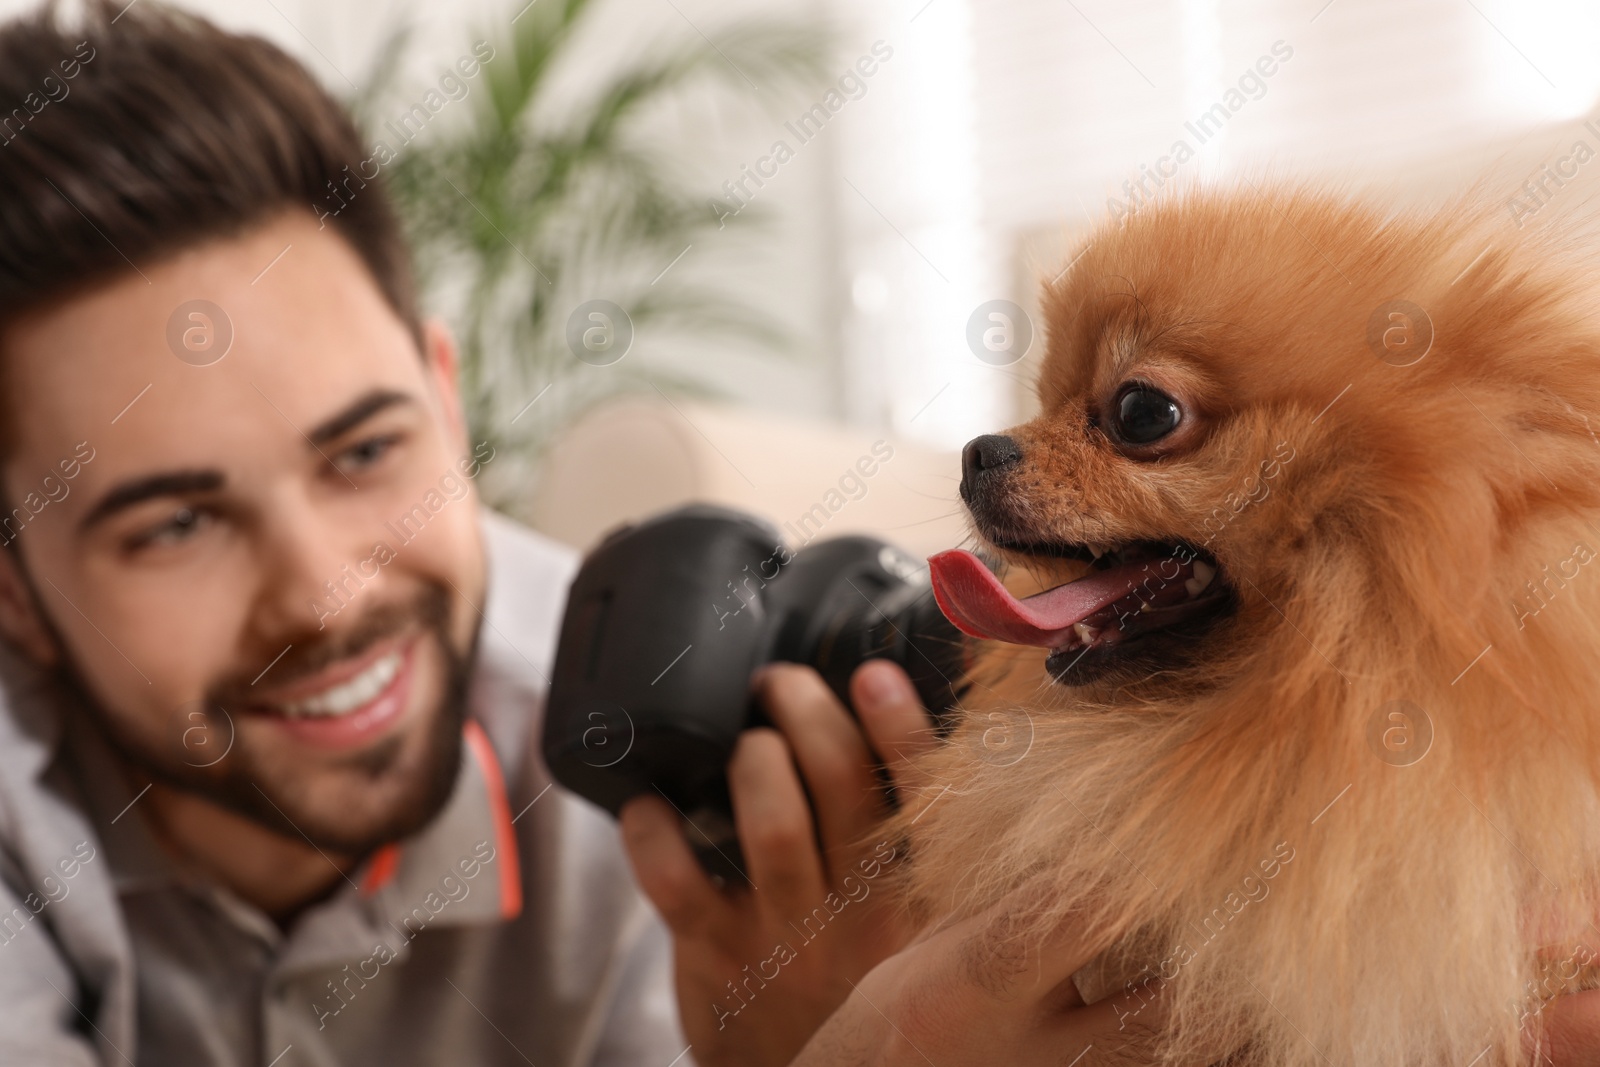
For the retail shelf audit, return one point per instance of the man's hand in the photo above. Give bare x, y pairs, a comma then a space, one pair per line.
1572, 1034
976, 993
760, 966
984, 991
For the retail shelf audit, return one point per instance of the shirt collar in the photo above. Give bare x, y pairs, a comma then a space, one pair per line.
462, 867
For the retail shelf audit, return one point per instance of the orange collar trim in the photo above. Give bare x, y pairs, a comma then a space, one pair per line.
505, 838
385, 863
380, 871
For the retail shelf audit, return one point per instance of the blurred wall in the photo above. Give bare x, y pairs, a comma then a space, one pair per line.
987, 129
1011, 127
783, 265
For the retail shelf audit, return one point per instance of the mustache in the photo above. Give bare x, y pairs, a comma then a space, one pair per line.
314, 650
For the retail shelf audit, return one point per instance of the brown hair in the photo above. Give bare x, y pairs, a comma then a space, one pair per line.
134, 134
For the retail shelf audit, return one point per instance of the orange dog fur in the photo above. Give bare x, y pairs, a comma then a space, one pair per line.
1416, 913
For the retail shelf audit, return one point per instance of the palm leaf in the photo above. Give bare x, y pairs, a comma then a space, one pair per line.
518, 214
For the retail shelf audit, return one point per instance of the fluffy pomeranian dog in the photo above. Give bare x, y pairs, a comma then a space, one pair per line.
1295, 695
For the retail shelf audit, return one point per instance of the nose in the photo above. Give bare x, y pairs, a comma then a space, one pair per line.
985, 455
314, 564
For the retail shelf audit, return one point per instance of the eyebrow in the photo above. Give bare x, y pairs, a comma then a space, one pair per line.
126, 494
136, 491
359, 411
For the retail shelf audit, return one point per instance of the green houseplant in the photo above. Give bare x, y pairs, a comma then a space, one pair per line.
521, 212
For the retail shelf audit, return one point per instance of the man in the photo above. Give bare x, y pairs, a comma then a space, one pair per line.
268, 784
269, 791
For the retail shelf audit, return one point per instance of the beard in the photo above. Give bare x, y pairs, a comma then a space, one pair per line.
201, 756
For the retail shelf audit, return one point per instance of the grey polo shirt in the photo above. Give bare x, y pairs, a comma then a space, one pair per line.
508, 931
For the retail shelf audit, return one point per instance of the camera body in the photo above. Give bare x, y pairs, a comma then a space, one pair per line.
668, 620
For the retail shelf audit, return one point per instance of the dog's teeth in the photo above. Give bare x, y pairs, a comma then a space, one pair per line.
1096, 553
1203, 573
1085, 632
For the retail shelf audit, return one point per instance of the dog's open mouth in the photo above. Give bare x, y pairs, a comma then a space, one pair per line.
1127, 596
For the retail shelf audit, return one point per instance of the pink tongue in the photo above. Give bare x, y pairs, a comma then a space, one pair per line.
973, 599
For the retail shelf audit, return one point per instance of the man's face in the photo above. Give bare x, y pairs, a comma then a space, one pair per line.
264, 572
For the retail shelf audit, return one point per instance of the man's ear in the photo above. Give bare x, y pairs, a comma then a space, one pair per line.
443, 362
21, 624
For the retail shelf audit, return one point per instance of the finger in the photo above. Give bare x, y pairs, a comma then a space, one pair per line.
1131, 1023
774, 823
831, 752
1572, 1031
1008, 960
896, 724
985, 975
1021, 950
665, 867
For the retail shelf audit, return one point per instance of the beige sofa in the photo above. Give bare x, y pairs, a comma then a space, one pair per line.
637, 457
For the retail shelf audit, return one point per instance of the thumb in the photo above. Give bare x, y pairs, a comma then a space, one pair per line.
897, 726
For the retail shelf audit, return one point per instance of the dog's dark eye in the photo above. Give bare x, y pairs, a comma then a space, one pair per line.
1143, 415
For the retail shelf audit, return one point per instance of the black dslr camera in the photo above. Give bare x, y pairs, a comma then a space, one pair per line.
666, 623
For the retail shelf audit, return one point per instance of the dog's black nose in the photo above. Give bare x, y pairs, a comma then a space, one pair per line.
986, 454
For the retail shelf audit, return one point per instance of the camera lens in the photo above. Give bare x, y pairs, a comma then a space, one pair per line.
855, 598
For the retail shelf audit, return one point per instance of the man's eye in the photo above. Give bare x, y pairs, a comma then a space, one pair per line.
184, 524
364, 454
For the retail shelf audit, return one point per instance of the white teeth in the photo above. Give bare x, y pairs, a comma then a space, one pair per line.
1203, 573
1096, 553
1085, 632
346, 696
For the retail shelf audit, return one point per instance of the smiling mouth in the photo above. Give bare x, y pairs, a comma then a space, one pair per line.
347, 704
346, 696
1142, 600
